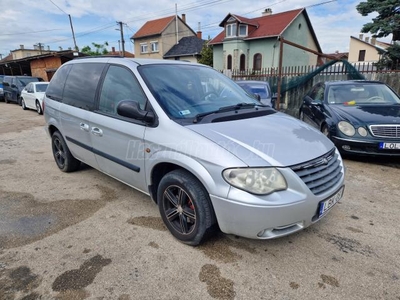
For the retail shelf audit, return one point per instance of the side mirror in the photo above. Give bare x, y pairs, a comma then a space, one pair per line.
131, 109
307, 100
13, 85
258, 97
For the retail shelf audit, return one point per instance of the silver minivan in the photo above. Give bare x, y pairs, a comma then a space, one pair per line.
209, 154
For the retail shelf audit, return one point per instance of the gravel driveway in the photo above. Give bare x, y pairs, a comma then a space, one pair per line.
84, 235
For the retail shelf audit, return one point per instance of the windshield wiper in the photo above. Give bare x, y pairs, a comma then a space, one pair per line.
238, 106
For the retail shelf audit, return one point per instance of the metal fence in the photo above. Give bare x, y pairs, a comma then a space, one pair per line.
292, 99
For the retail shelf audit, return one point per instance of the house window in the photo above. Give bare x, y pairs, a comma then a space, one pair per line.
242, 62
361, 55
257, 61
231, 30
242, 30
229, 62
154, 46
143, 48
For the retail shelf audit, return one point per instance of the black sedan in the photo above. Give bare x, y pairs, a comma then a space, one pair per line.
360, 117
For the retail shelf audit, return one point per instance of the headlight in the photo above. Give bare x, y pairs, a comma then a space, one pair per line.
260, 181
362, 131
346, 128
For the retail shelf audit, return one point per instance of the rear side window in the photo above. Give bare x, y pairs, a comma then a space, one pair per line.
56, 86
81, 85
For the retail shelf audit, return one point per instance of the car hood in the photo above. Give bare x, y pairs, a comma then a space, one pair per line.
369, 114
274, 140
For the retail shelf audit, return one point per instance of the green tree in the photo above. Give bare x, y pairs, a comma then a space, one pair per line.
206, 54
391, 59
100, 49
388, 19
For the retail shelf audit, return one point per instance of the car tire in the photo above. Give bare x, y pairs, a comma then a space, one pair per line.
185, 207
325, 130
38, 108
23, 104
63, 157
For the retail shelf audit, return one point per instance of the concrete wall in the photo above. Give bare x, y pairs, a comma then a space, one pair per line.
371, 54
298, 32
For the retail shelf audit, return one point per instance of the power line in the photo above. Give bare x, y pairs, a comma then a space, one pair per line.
58, 7
29, 32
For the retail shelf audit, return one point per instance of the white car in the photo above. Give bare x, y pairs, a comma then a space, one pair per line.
32, 96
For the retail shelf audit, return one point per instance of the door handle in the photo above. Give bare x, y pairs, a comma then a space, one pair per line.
84, 127
97, 131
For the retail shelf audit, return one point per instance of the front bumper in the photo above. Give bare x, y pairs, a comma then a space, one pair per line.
272, 216
364, 147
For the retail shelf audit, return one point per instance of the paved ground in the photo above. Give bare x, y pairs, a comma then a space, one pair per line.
84, 235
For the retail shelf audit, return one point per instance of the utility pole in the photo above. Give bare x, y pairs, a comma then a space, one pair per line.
73, 33
122, 37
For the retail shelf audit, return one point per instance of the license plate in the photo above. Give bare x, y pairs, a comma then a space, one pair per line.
390, 146
327, 204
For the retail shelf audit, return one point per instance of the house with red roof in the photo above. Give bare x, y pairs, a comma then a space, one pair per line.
156, 37
254, 43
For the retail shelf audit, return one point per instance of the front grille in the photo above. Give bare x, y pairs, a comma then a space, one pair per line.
386, 131
320, 174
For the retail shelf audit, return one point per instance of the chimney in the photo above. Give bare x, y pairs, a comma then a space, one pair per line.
199, 34
60, 48
184, 18
267, 12
373, 40
113, 49
361, 36
367, 39
21, 47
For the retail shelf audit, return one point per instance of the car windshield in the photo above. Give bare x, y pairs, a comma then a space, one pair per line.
185, 91
41, 88
25, 81
362, 93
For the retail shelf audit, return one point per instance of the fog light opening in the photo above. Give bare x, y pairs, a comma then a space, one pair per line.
346, 147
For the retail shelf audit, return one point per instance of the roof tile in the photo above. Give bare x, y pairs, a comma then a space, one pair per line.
153, 27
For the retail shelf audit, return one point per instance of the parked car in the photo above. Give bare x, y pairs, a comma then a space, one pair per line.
1, 87
32, 96
260, 89
207, 158
13, 86
360, 117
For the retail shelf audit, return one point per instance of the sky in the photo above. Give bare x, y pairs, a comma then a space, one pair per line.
29, 22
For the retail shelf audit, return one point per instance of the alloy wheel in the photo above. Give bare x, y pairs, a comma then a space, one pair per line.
179, 210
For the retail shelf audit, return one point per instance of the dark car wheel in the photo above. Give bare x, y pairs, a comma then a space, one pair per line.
38, 108
23, 104
185, 207
63, 157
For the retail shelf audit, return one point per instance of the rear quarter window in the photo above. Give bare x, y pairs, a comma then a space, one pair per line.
81, 85
56, 86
